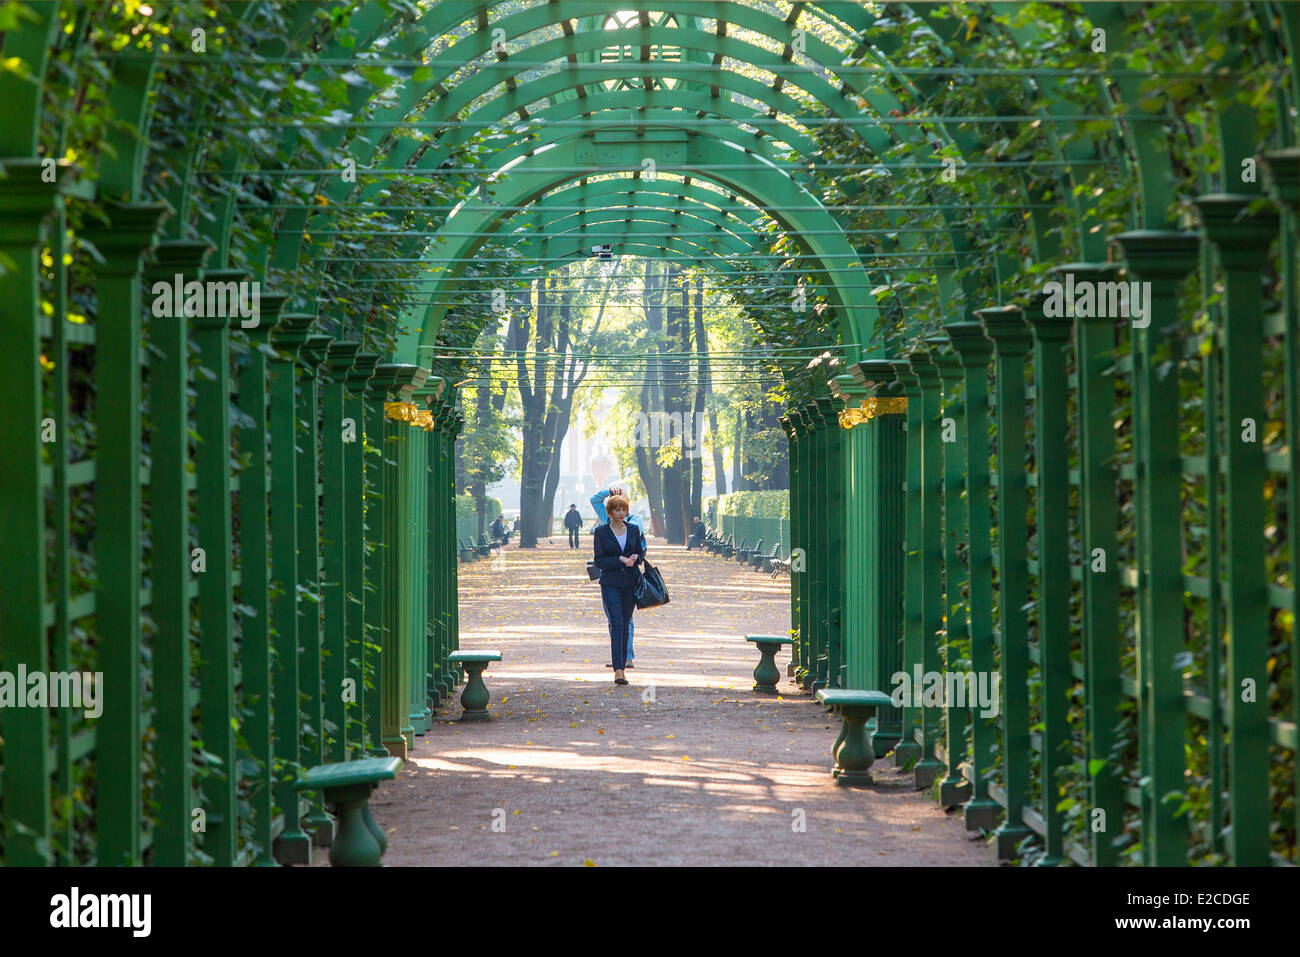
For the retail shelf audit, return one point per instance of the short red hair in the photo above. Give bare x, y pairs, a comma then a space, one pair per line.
616, 500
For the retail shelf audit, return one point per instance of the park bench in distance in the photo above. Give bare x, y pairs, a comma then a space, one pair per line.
346, 787
745, 554
764, 562
467, 550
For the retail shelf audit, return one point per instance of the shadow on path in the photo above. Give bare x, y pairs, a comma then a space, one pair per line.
683, 766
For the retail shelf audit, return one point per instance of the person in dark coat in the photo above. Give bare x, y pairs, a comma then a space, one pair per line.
620, 547
573, 522
698, 531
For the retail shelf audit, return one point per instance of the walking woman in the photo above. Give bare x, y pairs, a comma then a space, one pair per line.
620, 546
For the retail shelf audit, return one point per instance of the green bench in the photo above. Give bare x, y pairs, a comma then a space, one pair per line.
766, 675
467, 552
767, 563
474, 699
743, 555
346, 787
852, 749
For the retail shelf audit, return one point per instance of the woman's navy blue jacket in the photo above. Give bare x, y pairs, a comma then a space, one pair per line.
612, 571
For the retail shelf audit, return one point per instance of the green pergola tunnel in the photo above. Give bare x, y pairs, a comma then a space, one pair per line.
249, 530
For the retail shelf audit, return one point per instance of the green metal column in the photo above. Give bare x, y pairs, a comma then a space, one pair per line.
1164, 259
1282, 169
119, 809
1242, 240
254, 581
1051, 509
791, 430
974, 349
293, 846
377, 451
449, 524
852, 440
953, 789
441, 674
886, 506
416, 582
833, 504
1094, 349
311, 357
908, 751
25, 204
212, 488
354, 533
169, 512
1006, 327
335, 543
930, 543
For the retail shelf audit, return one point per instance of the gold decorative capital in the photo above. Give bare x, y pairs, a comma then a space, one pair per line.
872, 408
403, 412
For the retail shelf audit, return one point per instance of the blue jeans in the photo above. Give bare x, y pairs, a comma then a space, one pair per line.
619, 605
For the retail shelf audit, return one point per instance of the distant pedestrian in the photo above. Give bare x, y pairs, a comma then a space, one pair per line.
573, 522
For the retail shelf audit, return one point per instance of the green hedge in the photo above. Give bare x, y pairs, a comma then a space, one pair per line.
751, 516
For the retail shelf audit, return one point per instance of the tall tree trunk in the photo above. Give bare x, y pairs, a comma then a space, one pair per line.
675, 405
647, 462
738, 457
532, 395
697, 412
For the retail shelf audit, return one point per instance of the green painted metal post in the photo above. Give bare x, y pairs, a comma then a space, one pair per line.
169, 510
852, 441
293, 846
930, 543
255, 657
1051, 509
1242, 241
25, 204
449, 524
884, 506
1282, 173
441, 674
335, 544
1005, 325
1094, 346
130, 233
973, 348
791, 430
415, 600
953, 789
833, 505
216, 581
1164, 259
377, 467
354, 532
311, 358
908, 752
1006, 328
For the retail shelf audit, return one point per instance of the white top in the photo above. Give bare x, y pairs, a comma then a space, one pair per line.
621, 539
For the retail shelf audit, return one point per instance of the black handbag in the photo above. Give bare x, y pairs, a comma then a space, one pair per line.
593, 571
651, 590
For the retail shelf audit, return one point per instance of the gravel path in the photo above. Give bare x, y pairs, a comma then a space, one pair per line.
683, 766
